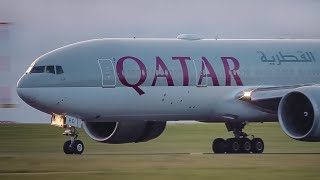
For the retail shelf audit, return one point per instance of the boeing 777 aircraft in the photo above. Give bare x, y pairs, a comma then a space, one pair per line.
125, 90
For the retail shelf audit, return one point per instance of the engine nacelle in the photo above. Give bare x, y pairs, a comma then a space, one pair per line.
299, 115
124, 131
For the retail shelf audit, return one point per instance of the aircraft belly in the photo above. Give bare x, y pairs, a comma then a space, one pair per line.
214, 104
122, 103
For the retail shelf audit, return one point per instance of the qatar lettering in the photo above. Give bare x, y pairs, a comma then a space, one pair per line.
227, 62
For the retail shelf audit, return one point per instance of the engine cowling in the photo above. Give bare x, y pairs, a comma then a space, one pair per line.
124, 131
299, 115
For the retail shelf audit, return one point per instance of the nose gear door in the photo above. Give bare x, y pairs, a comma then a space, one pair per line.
107, 73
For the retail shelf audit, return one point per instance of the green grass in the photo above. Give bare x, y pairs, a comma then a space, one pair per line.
35, 152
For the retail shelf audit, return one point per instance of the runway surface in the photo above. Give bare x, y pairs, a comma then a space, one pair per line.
182, 152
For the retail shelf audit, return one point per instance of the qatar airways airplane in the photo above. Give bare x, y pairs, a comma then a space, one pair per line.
125, 90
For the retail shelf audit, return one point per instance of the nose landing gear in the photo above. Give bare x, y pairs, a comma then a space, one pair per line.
240, 143
72, 146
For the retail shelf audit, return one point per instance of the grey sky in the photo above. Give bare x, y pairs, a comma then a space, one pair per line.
42, 25
167, 18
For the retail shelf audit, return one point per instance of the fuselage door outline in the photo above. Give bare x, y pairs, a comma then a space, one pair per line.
107, 70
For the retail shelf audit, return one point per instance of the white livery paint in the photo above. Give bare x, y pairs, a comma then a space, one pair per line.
124, 90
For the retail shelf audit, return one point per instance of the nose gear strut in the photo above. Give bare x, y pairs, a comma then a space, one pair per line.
69, 123
72, 146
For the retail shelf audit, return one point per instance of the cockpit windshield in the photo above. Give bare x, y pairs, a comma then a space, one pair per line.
59, 69
50, 69
37, 69
45, 69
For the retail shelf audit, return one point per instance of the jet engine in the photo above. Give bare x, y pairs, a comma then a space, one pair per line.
299, 115
124, 131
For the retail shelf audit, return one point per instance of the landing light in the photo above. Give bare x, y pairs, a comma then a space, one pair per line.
247, 94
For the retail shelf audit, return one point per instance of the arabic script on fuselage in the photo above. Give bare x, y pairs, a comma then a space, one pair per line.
280, 57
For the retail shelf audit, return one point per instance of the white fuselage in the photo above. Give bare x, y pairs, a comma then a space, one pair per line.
167, 79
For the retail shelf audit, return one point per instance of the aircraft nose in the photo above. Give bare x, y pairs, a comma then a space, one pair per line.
27, 94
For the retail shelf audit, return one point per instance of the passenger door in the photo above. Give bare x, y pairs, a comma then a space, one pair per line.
107, 73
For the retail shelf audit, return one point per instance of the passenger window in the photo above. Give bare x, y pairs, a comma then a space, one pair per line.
38, 69
50, 69
59, 69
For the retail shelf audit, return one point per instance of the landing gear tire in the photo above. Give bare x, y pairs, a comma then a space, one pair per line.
77, 147
67, 147
240, 143
233, 145
257, 145
218, 146
246, 145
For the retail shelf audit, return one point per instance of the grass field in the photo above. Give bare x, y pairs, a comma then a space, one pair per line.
182, 152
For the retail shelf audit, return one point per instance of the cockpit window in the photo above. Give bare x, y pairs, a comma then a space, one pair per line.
59, 69
45, 69
50, 69
38, 69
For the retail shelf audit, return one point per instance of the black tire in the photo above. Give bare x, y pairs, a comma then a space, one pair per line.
233, 145
218, 146
246, 145
77, 147
257, 145
67, 148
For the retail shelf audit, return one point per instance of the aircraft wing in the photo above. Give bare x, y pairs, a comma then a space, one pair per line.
268, 98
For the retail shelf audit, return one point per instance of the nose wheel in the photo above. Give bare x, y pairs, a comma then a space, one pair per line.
72, 146
240, 143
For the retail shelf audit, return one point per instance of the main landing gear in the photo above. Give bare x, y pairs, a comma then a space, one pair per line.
72, 146
240, 143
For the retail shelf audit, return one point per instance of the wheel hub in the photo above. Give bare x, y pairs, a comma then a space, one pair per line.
259, 145
235, 146
247, 146
79, 147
